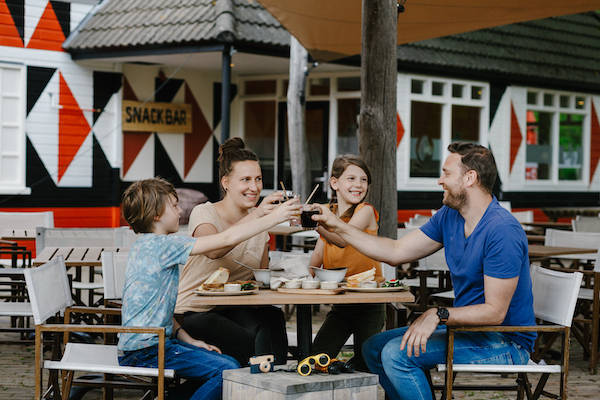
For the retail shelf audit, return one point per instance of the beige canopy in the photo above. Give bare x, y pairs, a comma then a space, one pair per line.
331, 29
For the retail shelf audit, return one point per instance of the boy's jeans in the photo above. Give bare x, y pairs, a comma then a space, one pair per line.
404, 378
201, 366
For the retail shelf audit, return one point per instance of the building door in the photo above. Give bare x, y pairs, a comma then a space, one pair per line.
317, 134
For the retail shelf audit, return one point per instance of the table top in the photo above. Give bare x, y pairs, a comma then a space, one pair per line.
538, 250
536, 239
549, 224
17, 234
74, 256
270, 297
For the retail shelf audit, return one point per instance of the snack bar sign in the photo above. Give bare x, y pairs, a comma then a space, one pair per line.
156, 117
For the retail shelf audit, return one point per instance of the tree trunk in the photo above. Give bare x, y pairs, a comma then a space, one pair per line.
378, 77
296, 120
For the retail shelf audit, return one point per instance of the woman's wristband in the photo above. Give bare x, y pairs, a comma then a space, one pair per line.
176, 333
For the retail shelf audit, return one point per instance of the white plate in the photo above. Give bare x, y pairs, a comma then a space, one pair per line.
213, 293
375, 290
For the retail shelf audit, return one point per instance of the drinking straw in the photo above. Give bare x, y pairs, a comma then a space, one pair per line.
313, 192
284, 191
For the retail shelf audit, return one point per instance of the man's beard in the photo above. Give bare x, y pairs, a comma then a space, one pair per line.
455, 201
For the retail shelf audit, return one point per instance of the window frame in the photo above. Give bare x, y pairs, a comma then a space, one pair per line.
556, 110
18, 186
405, 181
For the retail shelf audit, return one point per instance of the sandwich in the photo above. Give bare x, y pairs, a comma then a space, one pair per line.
216, 280
356, 279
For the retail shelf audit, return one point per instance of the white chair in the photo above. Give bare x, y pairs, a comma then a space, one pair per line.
583, 223
113, 273
582, 240
506, 205
50, 294
554, 298
79, 237
26, 220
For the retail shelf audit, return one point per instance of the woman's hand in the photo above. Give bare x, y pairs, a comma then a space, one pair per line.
203, 345
285, 211
269, 203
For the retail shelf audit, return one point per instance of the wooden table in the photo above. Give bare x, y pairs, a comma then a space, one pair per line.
536, 239
549, 225
541, 251
303, 303
76, 257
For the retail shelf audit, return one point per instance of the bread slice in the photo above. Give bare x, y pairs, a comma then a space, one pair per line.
356, 279
216, 280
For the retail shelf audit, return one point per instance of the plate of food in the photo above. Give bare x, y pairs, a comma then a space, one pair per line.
218, 284
364, 282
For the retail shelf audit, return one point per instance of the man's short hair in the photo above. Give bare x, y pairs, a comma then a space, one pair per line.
144, 200
478, 158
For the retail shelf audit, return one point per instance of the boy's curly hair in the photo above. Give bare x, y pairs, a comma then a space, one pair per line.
144, 200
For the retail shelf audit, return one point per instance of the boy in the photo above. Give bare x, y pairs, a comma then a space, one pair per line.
152, 277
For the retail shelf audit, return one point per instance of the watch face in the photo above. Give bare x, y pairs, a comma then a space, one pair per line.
443, 314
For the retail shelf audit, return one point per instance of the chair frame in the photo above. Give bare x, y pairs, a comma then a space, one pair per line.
523, 386
64, 304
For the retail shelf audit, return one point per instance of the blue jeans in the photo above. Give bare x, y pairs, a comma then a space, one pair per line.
403, 377
201, 368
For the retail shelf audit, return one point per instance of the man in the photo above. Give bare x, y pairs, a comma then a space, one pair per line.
486, 252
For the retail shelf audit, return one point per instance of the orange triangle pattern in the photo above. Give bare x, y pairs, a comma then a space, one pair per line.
132, 141
196, 140
515, 136
73, 127
399, 130
9, 35
48, 34
594, 143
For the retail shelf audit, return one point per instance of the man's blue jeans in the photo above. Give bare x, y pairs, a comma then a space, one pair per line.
404, 378
202, 368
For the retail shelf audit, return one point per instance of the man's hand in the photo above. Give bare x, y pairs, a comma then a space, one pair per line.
326, 218
416, 336
203, 345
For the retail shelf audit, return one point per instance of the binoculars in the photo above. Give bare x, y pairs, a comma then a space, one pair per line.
306, 366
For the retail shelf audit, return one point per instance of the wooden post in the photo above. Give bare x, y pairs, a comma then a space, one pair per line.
299, 157
378, 77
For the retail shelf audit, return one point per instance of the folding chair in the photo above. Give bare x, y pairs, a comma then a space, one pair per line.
554, 298
13, 295
583, 223
50, 294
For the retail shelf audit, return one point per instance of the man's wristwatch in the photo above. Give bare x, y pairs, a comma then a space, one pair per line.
443, 314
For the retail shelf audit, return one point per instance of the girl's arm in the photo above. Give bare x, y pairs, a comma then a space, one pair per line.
240, 232
364, 218
265, 207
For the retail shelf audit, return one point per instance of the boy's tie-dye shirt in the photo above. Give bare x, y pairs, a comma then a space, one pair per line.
151, 282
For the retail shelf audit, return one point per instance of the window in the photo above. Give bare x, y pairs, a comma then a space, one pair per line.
555, 137
12, 129
441, 112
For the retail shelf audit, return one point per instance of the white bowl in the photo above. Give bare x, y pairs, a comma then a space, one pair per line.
330, 275
293, 284
232, 287
329, 285
310, 284
263, 275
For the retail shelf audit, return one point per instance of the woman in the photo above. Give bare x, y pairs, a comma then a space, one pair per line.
239, 331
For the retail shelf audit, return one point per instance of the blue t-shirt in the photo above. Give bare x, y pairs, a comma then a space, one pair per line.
497, 247
151, 281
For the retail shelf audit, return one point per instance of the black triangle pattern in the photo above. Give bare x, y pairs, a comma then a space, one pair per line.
163, 166
63, 14
166, 90
37, 80
105, 85
17, 11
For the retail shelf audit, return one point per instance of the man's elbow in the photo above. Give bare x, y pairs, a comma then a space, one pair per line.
497, 318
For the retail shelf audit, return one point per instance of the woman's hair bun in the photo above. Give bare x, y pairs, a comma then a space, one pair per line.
231, 144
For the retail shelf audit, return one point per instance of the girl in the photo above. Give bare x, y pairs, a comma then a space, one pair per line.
241, 332
350, 179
